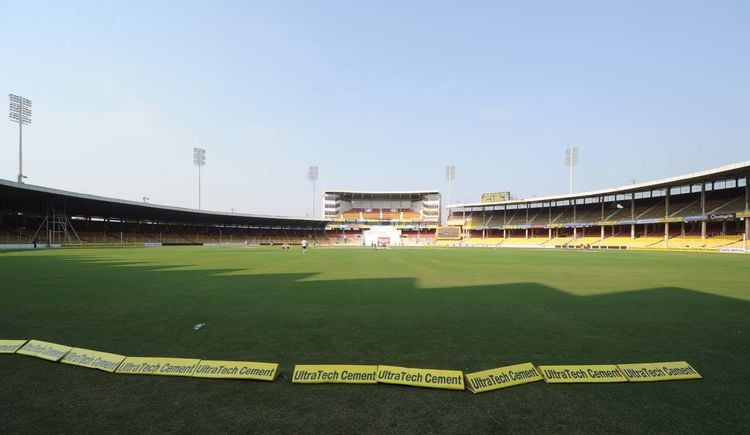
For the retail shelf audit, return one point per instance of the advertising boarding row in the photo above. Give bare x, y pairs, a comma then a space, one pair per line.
476, 382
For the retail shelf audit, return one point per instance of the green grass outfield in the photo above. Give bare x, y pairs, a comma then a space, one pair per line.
464, 309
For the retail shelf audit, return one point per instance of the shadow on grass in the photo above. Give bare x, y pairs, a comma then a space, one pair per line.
148, 310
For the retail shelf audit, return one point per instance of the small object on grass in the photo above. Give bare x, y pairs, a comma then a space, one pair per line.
199, 326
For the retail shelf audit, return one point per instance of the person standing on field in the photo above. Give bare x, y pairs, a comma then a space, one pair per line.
304, 246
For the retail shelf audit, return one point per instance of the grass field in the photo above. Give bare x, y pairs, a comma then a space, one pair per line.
463, 309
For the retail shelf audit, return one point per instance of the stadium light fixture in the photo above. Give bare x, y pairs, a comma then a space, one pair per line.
145, 199
199, 160
312, 175
571, 159
450, 175
20, 113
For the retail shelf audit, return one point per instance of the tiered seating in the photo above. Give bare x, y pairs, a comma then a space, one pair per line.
97, 237
538, 216
687, 242
626, 241
559, 241
695, 242
734, 205
448, 233
588, 213
694, 208
352, 214
737, 245
613, 214
584, 241
653, 211
11, 235
562, 216
720, 241
441, 242
391, 215
684, 208
490, 241
515, 217
495, 220
522, 241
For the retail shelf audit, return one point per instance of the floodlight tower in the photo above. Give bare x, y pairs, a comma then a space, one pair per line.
450, 175
571, 159
312, 175
199, 160
20, 112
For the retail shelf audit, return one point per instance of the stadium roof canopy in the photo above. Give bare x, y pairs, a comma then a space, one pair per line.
733, 171
355, 194
29, 199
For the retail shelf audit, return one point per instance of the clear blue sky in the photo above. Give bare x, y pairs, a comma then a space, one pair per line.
381, 95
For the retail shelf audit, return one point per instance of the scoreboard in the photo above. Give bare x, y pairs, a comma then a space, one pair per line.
495, 196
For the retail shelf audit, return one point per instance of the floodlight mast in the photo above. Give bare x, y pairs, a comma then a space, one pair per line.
571, 159
20, 113
199, 160
312, 175
450, 175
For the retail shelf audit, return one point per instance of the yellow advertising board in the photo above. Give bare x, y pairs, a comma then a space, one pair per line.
670, 220
249, 370
429, 378
334, 374
743, 214
93, 359
587, 374
158, 366
44, 350
501, 377
11, 346
662, 371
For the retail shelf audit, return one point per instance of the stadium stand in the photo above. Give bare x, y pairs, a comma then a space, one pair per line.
705, 210
448, 233
416, 212
52, 216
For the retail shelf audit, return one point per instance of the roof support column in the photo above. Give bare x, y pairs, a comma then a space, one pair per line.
549, 218
632, 216
703, 210
601, 237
